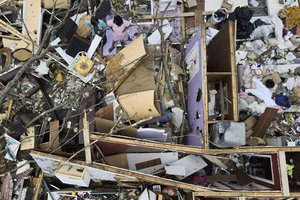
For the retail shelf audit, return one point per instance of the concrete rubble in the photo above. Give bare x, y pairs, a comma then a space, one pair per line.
149, 99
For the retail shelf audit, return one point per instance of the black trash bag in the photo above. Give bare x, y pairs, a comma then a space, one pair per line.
244, 27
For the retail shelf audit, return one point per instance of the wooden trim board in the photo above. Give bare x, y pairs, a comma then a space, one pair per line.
188, 149
186, 14
283, 174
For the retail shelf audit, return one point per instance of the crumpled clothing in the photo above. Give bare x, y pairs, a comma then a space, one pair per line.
262, 92
257, 108
290, 83
244, 26
262, 31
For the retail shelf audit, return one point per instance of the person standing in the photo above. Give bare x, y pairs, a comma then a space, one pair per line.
119, 28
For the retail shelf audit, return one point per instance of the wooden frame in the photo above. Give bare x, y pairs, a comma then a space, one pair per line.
198, 190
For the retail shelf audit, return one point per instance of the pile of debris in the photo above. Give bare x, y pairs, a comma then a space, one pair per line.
111, 97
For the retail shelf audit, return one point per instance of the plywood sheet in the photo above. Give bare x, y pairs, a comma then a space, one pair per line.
118, 160
14, 44
142, 77
264, 122
105, 126
106, 112
32, 16
134, 51
63, 4
139, 105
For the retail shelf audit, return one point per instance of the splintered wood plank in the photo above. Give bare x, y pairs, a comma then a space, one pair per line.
38, 186
264, 122
86, 140
54, 134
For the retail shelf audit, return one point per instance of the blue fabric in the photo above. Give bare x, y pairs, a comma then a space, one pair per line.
101, 24
283, 100
96, 29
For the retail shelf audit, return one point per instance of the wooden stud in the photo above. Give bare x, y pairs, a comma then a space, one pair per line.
205, 86
188, 149
222, 100
86, 139
238, 193
232, 36
183, 29
198, 18
38, 186
283, 174
182, 15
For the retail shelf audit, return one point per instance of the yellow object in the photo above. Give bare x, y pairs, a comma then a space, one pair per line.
10, 103
59, 77
289, 169
3, 116
84, 65
292, 16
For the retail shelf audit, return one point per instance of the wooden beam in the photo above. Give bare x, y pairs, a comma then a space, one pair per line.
15, 32
199, 190
186, 14
138, 175
187, 149
183, 29
264, 122
86, 139
234, 76
205, 87
198, 18
38, 186
283, 174
239, 193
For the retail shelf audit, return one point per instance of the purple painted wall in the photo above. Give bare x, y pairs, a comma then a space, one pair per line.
195, 108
